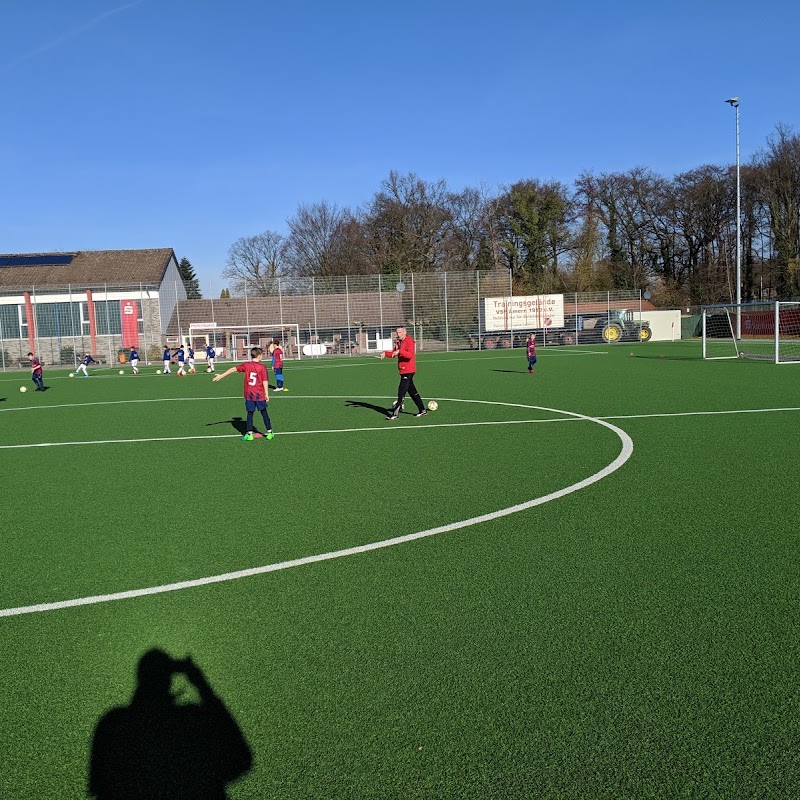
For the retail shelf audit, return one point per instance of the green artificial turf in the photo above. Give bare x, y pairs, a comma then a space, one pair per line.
636, 638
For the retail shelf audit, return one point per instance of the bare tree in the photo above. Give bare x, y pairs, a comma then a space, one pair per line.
780, 167
255, 263
316, 240
405, 224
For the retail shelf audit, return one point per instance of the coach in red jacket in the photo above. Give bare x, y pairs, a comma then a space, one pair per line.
404, 349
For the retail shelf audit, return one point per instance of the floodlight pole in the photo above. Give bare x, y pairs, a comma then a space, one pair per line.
734, 103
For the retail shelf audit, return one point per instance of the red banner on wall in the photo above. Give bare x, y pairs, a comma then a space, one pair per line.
130, 323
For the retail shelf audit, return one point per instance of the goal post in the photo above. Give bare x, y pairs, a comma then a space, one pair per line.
769, 331
235, 341
719, 333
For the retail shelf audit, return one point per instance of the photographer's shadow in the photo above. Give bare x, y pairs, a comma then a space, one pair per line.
161, 746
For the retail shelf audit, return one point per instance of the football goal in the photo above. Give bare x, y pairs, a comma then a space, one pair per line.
234, 341
768, 331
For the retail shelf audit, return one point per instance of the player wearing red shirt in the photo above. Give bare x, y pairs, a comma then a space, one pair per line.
256, 391
531, 351
405, 350
36, 372
277, 366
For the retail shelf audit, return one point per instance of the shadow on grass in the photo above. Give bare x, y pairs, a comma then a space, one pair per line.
384, 411
512, 371
238, 423
165, 743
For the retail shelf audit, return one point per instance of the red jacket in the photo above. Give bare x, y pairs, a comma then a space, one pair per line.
405, 356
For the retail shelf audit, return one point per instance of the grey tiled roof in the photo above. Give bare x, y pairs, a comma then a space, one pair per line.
90, 268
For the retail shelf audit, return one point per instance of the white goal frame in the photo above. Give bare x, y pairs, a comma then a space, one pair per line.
769, 331
288, 333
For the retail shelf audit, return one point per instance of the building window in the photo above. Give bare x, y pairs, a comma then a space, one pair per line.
10, 322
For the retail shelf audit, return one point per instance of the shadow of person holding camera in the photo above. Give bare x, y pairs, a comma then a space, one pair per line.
163, 746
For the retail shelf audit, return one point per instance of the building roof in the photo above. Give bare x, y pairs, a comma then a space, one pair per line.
84, 268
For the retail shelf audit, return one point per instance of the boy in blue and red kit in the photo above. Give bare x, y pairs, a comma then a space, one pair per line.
256, 391
277, 366
36, 372
531, 351
405, 349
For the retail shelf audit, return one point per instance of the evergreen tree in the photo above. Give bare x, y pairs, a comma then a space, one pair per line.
225, 294
190, 281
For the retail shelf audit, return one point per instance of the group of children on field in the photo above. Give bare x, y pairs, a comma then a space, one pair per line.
256, 384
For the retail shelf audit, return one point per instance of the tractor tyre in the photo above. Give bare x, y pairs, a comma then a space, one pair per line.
645, 335
612, 333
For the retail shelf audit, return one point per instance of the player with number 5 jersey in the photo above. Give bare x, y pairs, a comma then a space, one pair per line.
256, 391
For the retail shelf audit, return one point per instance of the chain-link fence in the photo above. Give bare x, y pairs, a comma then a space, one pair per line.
350, 315
343, 316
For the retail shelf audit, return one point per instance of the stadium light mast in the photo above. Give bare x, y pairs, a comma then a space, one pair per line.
734, 103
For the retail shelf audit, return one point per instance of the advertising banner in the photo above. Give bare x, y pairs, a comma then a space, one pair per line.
130, 323
523, 313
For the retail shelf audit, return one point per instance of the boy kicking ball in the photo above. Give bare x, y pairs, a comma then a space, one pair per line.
256, 391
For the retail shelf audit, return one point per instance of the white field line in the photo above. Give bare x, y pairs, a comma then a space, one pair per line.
388, 428
550, 352
121, 402
434, 361
624, 454
410, 427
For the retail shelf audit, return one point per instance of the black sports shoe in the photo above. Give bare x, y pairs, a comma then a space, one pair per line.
393, 415
422, 413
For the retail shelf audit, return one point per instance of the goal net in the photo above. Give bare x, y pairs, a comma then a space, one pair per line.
768, 331
233, 342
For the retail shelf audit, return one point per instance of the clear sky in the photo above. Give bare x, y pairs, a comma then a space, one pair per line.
191, 123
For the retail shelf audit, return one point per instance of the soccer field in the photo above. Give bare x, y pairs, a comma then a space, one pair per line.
578, 584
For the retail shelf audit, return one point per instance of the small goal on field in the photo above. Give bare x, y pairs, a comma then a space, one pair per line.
767, 331
234, 341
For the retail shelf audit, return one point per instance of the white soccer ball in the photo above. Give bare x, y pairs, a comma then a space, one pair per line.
122, 372
23, 388
72, 374
432, 405
208, 369
158, 372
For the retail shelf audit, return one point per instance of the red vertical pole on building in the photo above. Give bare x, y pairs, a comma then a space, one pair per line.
92, 324
31, 317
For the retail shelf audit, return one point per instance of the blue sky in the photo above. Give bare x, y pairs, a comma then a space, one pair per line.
190, 123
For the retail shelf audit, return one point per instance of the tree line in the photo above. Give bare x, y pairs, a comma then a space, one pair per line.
675, 237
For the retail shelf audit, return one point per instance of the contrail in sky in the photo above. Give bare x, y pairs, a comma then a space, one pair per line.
70, 34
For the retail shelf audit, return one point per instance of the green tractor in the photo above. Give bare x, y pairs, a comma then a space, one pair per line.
622, 325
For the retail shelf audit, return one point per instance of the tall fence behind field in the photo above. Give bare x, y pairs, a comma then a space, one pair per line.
354, 314
343, 315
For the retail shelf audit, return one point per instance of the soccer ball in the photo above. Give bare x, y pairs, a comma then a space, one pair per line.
122, 372
158, 372
72, 374
192, 371
433, 405
23, 389
208, 369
